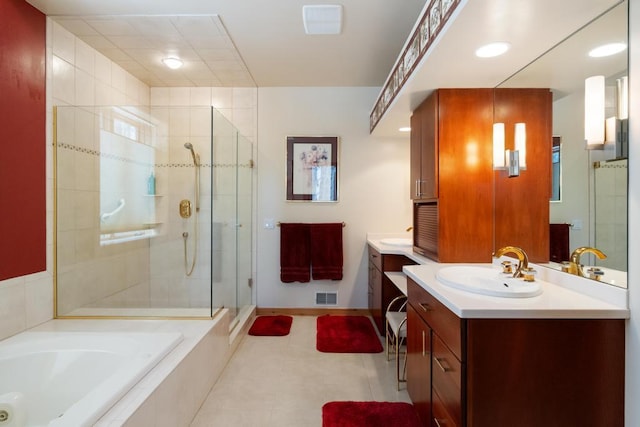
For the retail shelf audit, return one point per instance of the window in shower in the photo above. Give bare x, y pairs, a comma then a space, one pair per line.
127, 177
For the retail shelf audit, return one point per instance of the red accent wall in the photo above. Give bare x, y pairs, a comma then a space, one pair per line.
22, 139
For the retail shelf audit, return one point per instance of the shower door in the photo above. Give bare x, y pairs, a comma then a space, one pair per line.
232, 217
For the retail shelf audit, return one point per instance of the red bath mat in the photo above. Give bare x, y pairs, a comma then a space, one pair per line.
271, 326
369, 414
346, 334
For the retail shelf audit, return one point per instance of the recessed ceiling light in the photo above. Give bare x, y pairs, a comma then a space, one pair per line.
172, 62
607, 50
405, 129
322, 18
492, 49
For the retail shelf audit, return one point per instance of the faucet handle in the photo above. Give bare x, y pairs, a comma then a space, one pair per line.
507, 267
595, 273
529, 274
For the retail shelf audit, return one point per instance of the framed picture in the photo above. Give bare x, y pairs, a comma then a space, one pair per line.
312, 168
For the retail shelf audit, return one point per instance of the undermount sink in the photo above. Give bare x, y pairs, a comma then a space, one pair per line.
487, 281
395, 241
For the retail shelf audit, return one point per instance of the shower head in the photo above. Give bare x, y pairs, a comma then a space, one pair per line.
189, 147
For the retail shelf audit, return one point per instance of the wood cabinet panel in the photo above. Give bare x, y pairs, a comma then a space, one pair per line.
424, 150
447, 378
381, 290
521, 211
520, 372
479, 209
449, 326
441, 418
545, 372
419, 364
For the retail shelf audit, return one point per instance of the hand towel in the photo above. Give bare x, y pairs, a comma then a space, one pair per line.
326, 251
558, 242
295, 259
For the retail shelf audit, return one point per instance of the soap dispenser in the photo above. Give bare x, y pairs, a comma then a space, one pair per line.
151, 184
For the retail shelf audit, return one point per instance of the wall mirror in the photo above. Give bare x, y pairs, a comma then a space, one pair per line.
592, 189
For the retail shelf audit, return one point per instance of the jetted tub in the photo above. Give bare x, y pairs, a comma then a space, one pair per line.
72, 378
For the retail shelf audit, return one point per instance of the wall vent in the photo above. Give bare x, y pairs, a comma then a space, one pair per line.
326, 298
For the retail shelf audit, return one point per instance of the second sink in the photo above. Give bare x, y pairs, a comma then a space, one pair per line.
487, 281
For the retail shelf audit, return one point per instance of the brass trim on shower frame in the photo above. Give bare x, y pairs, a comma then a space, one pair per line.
215, 311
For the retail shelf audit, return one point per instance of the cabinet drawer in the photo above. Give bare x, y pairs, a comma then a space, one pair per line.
447, 377
375, 258
442, 320
441, 417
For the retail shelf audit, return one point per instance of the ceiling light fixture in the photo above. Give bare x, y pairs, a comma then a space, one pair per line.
322, 19
607, 50
172, 62
405, 129
492, 49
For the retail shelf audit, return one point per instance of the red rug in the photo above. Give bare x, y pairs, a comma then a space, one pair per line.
369, 414
271, 326
346, 334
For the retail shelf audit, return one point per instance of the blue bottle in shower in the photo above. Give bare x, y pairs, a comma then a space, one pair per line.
151, 184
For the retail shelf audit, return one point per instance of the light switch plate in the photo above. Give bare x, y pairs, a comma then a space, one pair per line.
269, 223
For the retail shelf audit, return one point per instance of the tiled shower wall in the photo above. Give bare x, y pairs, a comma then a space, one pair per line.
79, 75
611, 182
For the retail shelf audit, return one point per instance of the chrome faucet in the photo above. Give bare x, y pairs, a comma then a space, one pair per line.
574, 261
523, 260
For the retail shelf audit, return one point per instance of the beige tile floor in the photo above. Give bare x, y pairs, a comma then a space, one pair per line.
284, 381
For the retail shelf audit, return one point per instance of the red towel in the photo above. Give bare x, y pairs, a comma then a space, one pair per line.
559, 242
295, 258
326, 251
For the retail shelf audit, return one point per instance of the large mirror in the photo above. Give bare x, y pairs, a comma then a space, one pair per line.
589, 206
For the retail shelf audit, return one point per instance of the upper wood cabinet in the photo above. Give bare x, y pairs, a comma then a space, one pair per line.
463, 209
424, 150
521, 212
455, 139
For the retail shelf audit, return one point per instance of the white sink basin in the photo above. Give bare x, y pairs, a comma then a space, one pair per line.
487, 281
397, 241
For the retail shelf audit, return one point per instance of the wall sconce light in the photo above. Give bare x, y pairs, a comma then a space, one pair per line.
510, 160
594, 123
599, 131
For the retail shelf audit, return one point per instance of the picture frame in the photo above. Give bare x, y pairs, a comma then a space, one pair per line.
312, 168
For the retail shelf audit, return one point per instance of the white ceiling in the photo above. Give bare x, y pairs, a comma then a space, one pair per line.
262, 42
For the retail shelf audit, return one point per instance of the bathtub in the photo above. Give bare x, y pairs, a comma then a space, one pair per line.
72, 378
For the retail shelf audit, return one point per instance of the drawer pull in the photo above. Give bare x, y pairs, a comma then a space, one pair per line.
435, 359
426, 307
435, 420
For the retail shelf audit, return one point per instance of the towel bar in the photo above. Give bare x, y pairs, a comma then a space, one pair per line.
343, 224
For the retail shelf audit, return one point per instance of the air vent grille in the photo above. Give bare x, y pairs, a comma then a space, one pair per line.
326, 298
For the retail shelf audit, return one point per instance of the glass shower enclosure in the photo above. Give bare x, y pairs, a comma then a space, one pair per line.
152, 213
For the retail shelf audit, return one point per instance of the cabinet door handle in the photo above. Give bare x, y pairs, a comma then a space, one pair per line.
425, 307
423, 343
435, 359
417, 188
435, 420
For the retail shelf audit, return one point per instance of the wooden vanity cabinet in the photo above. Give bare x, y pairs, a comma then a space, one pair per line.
513, 372
381, 290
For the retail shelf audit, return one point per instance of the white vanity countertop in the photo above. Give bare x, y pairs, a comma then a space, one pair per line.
564, 296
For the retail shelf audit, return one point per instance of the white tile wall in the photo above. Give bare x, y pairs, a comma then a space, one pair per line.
79, 75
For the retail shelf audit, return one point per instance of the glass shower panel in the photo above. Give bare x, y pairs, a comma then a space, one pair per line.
123, 244
232, 217
245, 220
